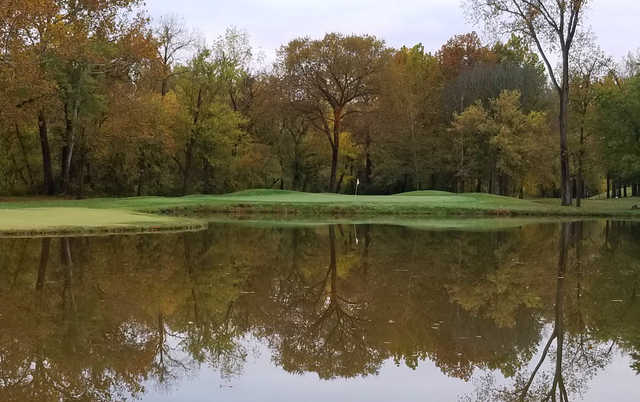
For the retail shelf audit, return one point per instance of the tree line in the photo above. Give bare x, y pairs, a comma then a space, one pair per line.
98, 99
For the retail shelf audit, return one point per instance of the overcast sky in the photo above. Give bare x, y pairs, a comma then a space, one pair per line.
271, 23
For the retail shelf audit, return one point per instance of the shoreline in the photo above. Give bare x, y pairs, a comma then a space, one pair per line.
60, 217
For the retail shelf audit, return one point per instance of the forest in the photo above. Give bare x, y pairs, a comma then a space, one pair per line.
97, 98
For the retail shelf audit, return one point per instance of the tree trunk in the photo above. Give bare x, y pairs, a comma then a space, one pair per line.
81, 179
25, 156
188, 162
339, 183
47, 170
71, 117
580, 189
165, 86
564, 125
608, 186
491, 182
335, 148
368, 168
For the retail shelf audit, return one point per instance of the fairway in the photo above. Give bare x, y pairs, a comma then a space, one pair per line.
167, 213
77, 220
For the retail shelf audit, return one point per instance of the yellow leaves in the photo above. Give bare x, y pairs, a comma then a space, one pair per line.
516, 141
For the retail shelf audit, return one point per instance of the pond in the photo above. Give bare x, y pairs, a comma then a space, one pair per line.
304, 312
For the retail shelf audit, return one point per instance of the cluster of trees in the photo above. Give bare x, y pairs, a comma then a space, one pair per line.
97, 99
76, 325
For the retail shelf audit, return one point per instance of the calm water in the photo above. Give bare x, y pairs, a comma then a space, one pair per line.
316, 313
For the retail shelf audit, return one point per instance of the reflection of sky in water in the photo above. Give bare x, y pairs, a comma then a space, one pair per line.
262, 380
107, 317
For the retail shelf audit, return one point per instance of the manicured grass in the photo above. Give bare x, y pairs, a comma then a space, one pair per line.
62, 220
19, 214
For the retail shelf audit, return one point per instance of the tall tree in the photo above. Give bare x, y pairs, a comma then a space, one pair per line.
336, 75
551, 25
589, 64
173, 41
406, 118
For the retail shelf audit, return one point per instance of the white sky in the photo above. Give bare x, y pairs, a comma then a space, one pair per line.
271, 23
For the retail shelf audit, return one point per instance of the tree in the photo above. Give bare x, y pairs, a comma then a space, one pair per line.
463, 52
280, 122
551, 25
589, 64
173, 41
499, 142
213, 126
400, 130
617, 118
335, 75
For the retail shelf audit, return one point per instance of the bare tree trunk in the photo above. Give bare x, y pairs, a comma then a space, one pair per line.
491, 181
188, 162
580, 189
165, 86
608, 186
47, 169
335, 148
82, 164
339, 183
71, 117
25, 156
564, 151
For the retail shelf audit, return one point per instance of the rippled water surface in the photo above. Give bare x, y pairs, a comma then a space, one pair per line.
254, 312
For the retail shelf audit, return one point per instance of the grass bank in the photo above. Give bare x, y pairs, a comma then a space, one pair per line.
51, 221
157, 213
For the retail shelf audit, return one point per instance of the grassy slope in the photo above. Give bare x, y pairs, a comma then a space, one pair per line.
82, 213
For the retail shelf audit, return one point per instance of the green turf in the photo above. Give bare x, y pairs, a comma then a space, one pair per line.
81, 213
61, 220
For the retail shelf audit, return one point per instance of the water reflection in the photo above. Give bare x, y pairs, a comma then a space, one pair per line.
532, 313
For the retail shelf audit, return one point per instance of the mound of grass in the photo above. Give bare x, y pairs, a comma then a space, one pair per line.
425, 193
260, 192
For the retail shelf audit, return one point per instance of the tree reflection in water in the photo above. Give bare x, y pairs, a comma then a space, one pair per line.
544, 306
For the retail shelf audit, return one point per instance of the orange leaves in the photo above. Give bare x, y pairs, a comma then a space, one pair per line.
463, 51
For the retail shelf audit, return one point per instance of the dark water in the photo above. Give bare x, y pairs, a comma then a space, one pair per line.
340, 313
